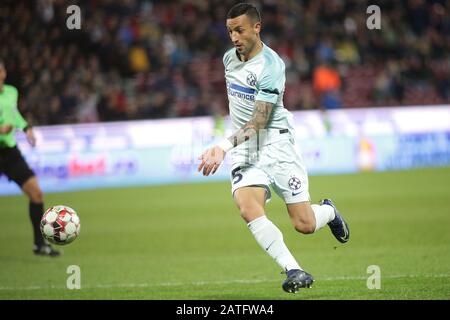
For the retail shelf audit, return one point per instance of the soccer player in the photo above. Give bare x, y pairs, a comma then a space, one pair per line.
12, 163
263, 148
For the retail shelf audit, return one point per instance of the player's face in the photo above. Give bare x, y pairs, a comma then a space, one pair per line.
243, 33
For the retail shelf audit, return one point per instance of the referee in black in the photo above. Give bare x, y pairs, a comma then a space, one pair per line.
12, 163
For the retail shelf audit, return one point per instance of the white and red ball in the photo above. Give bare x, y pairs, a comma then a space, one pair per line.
60, 225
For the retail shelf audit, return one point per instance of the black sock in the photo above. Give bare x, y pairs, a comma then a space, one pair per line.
36, 211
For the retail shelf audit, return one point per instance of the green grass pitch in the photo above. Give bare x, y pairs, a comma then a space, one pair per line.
188, 242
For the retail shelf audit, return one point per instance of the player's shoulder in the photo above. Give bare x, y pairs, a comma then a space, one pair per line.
227, 56
271, 59
10, 89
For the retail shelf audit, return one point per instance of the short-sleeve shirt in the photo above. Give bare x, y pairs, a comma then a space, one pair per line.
9, 114
261, 78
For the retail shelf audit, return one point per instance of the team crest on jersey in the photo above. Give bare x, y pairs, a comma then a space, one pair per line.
294, 183
251, 79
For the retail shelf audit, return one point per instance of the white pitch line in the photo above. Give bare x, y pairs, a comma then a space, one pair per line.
203, 283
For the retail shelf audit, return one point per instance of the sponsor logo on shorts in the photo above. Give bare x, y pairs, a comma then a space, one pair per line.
294, 184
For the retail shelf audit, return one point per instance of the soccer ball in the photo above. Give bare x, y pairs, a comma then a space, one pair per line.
60, 225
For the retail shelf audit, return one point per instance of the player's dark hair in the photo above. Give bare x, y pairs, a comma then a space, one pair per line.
244, 8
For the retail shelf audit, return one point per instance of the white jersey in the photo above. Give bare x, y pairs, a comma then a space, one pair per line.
278, 161
261, 78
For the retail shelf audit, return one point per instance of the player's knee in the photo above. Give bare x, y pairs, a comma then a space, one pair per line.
36, 195
250, 211
304, 227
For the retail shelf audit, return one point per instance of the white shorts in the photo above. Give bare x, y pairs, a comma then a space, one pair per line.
278, 164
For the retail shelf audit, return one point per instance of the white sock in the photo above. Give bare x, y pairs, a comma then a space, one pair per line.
323, 214
270, 239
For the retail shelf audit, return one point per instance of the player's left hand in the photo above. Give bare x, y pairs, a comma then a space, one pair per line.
30, 137
5, 129
211, 160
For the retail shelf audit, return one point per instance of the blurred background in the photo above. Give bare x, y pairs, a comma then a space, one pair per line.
142, 59
363, 99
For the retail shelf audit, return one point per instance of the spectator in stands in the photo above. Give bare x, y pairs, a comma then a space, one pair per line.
121, 42
327, 85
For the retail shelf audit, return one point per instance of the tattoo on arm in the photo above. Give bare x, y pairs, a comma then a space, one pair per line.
261, 115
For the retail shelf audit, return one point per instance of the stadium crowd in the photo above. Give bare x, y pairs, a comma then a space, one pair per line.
135, 59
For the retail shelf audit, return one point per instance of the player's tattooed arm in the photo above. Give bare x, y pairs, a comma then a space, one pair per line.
261, 115
213, 157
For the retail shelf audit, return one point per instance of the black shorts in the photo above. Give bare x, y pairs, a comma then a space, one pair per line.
14, 166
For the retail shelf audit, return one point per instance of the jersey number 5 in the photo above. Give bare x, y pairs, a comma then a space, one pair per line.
236, 175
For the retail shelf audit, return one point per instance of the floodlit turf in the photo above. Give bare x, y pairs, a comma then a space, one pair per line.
188, 242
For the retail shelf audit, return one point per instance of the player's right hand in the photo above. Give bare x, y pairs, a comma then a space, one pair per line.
211, 160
